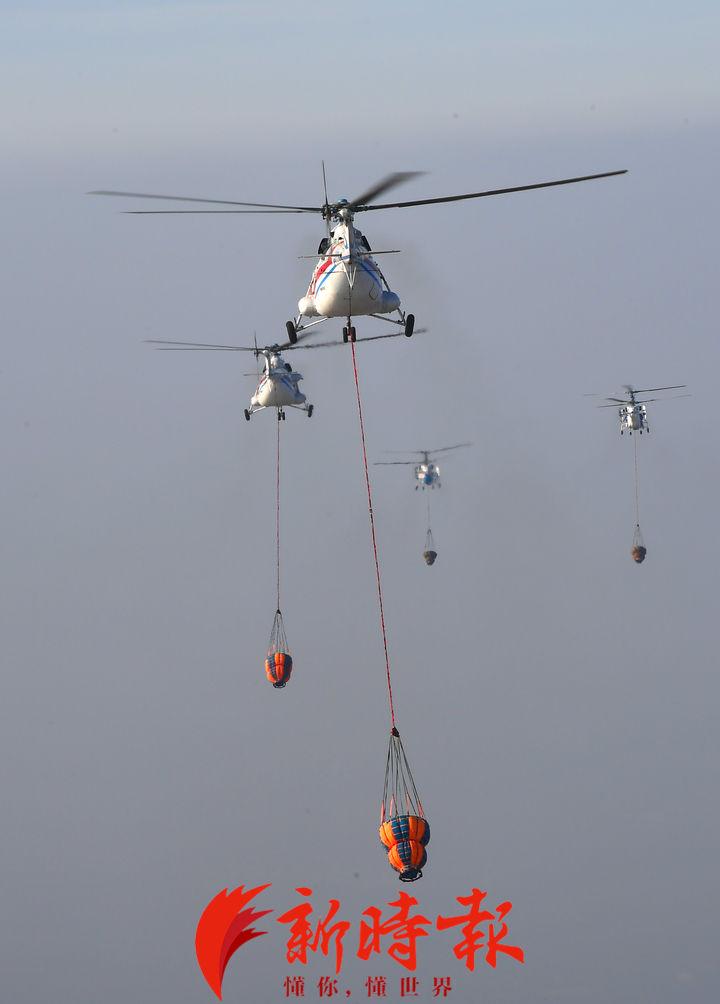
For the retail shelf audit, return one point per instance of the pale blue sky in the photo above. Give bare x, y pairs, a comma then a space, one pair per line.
77, 76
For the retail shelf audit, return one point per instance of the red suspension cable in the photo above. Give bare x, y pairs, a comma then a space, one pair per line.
374, 539
277, 514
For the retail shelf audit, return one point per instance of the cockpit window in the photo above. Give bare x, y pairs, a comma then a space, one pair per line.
324, 245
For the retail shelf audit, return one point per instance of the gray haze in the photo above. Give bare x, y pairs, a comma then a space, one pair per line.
557, 702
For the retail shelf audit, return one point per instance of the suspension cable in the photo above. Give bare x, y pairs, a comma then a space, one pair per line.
374, 538
277, 514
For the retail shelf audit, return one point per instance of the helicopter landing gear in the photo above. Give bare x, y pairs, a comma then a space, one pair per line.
409, 325
349, 334
247, 415
291, 332
310, 410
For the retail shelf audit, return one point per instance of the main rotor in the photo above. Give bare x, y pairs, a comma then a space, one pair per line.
632, 395
425, 455
342, 208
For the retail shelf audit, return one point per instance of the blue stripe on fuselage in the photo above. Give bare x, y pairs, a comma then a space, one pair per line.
363, 265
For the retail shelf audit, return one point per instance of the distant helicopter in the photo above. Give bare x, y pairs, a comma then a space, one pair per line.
278, 384
427, 472
633, 413
347, 281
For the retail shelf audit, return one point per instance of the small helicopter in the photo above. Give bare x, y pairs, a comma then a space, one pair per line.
278, 384
347, 281
632, 412
427, 472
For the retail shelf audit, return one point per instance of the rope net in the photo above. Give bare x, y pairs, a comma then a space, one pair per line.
430, 553
278, 639
400, 795
278, 664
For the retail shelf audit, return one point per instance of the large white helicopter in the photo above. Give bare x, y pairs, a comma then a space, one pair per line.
632, 413
347, 281
278, 384
427, 472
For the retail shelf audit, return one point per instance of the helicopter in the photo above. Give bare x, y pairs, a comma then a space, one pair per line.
278, 384
427, 472
347, 281
632, 412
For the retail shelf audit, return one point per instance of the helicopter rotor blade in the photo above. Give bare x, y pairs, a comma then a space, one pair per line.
324, 182
650, 390
444, 449
201, 346
368, 338
218, 202
394, 463
431, 453
673, 397
384, 185
198, 345
212, 212
326, 206
495, 191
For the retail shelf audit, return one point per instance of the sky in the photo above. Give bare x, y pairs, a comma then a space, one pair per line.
557, 702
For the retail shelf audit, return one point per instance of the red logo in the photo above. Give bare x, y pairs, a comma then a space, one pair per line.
223, 927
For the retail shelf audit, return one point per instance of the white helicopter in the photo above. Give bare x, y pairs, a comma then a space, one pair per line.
427, 472
347, 281
278, 384
632, 412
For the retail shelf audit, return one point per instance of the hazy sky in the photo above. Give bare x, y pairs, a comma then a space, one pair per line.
557, 702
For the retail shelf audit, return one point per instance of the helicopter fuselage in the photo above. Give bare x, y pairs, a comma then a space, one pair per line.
278, 386
347, 280
427, 474
633, 418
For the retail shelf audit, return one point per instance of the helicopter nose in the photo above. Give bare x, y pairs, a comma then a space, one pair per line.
390, 301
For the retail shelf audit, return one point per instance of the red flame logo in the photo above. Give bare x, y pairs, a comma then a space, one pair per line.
223, 927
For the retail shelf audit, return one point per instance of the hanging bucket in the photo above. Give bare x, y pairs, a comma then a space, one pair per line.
278, 668
404, 830
278, 664
405, 838
639, 550
429, 554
